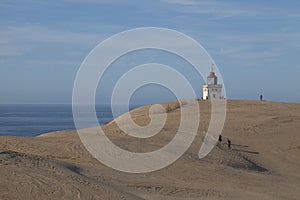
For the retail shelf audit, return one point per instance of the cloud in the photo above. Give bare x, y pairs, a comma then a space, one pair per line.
266, 37
214, 8
100, 1
195, 3
33, 33
11, 50
17, 40
248, 46
250, 54
225, 9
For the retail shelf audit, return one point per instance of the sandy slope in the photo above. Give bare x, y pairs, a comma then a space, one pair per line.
264, 162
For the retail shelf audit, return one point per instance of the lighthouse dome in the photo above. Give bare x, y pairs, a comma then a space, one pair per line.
212, 75
212, 78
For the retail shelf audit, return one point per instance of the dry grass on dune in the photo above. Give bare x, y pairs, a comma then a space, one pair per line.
263, 163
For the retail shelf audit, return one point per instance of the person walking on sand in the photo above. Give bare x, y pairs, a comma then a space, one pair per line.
229, 143
261, 97
220, 138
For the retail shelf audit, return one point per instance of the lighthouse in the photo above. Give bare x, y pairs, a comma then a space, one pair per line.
212, 90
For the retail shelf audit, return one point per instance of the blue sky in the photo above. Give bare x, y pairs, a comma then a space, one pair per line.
256, 44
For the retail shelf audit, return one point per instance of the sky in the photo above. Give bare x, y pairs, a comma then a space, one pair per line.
255, 44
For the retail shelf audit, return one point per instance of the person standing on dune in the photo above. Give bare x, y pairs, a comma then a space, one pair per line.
229, 143
220, 138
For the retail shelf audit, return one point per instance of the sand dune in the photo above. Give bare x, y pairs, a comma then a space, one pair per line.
263, 163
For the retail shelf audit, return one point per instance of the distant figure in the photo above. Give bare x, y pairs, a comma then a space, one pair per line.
229, 143
220, 138
261, 97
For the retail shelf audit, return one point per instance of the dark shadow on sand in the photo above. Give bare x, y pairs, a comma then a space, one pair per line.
245, 151
239, 145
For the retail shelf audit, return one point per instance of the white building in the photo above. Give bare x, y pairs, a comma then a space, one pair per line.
212, 90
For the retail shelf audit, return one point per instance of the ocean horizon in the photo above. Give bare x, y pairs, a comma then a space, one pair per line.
37, 119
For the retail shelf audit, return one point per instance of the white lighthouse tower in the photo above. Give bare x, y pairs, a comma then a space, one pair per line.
212, 90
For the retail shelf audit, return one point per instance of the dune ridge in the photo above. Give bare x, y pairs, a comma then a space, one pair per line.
263, 163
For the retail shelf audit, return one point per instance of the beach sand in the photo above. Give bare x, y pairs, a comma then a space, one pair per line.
263, 163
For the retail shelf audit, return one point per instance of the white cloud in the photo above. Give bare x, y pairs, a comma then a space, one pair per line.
195, 3
214, 8
17, 40
100, 1
266, 37
250, 54
34, 33
224, 9
11, 50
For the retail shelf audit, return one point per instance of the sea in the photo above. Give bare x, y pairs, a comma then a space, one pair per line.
36, 119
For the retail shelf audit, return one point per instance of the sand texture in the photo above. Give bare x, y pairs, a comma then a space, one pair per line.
263, 163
